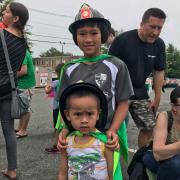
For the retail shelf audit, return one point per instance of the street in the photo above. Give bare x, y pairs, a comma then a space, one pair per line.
33, 163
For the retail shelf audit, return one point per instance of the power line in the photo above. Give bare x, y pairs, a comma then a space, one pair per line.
44, 41
54, 42
50, 13
50, 25
51, 36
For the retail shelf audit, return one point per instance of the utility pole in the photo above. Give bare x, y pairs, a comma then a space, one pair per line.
62, 49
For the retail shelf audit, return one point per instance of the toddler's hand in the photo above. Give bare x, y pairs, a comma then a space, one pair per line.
48, 88
113, 140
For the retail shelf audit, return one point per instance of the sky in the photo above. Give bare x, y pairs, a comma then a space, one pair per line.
49, 20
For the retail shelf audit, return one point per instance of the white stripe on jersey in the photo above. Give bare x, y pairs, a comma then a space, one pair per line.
114, 71
71, 68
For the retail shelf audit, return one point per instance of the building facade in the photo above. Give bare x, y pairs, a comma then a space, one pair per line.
45, 68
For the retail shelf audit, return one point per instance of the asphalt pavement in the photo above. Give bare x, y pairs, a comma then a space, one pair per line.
33, 163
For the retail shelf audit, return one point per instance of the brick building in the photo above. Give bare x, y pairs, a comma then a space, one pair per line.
45, 66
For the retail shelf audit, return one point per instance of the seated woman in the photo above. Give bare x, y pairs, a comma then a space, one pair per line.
164, 160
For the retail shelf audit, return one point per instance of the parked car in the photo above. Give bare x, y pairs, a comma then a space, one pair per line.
171, 82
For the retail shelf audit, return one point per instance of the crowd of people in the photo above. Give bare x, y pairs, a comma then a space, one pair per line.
93, 94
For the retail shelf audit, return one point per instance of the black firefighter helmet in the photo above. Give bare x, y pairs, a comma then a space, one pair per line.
100, 125
87, 14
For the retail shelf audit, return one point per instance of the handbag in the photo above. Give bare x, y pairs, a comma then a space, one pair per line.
19, 102
136, 169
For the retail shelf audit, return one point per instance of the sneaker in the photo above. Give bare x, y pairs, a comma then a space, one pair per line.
52, 150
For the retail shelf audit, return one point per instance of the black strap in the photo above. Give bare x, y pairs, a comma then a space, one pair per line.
170, 120
10, 72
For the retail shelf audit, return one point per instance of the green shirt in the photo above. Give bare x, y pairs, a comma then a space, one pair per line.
28, 80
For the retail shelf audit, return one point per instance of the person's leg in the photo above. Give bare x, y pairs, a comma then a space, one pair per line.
55, 117
144, 119
19, 126
23, 124
24, 121
169, 169
7, 124
150, 162
53, 149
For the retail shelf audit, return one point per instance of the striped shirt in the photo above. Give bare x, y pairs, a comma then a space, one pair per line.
16, 48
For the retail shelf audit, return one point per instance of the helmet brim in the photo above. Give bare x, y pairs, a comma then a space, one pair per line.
100, 125
72, 27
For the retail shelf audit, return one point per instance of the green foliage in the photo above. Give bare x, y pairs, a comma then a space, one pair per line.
52, 52
3, 4
27, 34
104, 49
173, 62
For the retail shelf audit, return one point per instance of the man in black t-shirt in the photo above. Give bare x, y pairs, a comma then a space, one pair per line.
143, 52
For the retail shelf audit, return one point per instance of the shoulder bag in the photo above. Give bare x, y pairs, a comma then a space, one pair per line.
19, 102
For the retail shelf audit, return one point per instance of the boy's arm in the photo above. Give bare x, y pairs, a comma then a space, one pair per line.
119, 116
109, 159
63, 166
23, 70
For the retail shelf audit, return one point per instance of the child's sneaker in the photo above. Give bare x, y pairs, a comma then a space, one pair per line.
52, 150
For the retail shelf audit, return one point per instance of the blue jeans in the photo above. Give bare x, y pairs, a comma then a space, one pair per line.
165, 169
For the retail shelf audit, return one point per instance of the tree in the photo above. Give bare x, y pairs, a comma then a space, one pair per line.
52, 52
173, 62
